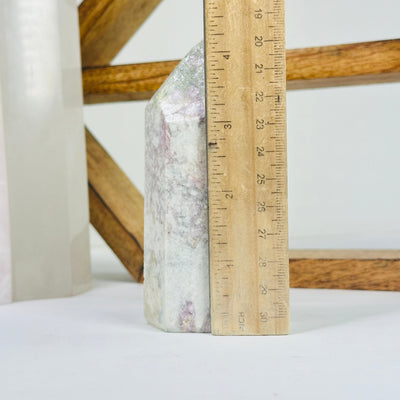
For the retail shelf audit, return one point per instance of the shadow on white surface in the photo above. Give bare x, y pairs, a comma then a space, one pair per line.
313, 309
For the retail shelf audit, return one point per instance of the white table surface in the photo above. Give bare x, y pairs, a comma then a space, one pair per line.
343, 345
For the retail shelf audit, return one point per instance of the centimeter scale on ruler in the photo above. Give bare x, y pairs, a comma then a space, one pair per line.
247, 172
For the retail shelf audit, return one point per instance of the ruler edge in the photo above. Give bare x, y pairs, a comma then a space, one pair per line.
284, 87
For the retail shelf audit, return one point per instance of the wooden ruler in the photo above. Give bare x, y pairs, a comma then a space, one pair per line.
247, 171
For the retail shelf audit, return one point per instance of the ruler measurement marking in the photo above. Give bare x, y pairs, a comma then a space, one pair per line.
266, 263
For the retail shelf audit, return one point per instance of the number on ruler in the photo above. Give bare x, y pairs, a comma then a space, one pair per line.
262, 233
260, 124
258, 41
261, 179
263, 317
261, 206
259, 68
259, 96
258, 14
263, 289
241, 321
262, 262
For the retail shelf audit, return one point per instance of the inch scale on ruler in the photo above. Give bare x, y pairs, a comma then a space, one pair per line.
247, 171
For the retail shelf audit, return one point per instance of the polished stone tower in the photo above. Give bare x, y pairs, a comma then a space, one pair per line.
176, 276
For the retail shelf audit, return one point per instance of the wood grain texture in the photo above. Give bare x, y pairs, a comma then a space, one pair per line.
350, 64
355, 269
106, 25
116, 207
125, 82
248, 243
342, 65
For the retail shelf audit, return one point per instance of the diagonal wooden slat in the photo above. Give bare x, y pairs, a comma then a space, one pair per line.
106, 25
342, 65
116, 207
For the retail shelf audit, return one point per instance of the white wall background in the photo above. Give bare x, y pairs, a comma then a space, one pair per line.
343, 143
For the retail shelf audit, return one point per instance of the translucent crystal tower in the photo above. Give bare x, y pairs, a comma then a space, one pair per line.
44, 242
5, 250
176, 278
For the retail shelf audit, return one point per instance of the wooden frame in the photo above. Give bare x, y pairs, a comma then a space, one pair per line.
116, 206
